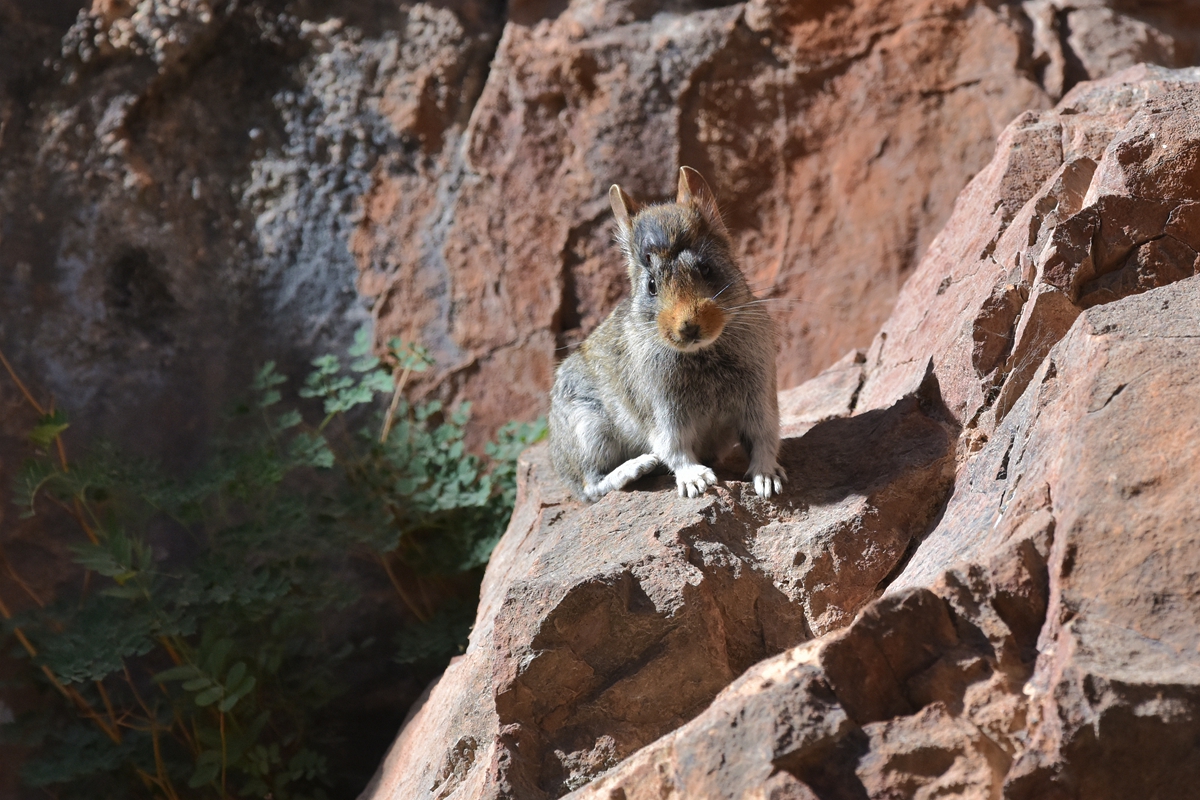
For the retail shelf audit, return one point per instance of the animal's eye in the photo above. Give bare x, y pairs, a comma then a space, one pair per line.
705, 269
651, 287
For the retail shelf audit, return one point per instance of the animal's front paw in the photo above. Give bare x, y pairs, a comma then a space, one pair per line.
693, 480
768, 480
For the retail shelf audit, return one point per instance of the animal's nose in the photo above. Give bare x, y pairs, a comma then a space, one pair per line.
689, 331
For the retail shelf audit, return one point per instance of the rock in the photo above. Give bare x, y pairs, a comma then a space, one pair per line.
1067, 517
191, 189
837, 139
786, 728
1011, 614
175, 219
1118, 224
1026, 222
604, 627
833, 393
1116, 693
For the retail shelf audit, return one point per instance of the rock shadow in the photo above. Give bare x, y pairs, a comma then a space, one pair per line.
857, 455
862, 493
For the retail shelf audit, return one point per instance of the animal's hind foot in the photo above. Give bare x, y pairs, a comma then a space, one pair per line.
623, 475
633, 469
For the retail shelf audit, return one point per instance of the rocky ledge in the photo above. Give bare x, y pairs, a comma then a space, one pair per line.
981, 580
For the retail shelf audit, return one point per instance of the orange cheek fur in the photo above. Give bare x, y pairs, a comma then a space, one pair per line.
705, 313
711, 320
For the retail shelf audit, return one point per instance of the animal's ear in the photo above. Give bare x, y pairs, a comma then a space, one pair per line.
623, 208
693, 191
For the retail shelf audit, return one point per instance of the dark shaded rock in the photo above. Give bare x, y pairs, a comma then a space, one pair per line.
870, 664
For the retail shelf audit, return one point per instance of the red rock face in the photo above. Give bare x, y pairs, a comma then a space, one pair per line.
170, 213
186, 192
980, 580
836, 137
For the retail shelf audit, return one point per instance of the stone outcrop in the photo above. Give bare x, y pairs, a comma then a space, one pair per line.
191, 187
181, 181
980, 579
603, 627
837, 136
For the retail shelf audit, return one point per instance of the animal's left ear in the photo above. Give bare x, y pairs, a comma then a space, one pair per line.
624, 209
693, 191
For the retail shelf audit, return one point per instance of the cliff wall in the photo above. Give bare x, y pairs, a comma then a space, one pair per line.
980, 578
191, 187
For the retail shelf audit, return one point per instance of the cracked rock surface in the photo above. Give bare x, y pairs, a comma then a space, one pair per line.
836, 136
980, 580
192, 187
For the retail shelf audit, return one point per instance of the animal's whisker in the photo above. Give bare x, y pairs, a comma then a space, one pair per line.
742, 306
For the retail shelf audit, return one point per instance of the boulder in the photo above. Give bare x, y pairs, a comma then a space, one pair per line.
979, 580
1049, 652
603, 627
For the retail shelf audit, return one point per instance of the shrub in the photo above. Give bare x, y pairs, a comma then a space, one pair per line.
197, 650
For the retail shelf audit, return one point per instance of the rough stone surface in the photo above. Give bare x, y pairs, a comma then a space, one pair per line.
191, 187
603, 627
181, 181
980, 581
1039, 235
837, 135
1051, 653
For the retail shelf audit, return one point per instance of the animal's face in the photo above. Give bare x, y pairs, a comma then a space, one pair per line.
681, 272
685, 282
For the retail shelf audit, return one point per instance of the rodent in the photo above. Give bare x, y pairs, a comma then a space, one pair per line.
680, 370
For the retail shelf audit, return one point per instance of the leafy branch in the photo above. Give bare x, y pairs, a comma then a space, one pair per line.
196, 651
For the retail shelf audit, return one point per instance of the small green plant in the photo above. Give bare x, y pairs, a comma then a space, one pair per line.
195, 653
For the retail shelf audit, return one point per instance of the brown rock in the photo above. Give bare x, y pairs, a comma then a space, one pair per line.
780, 719
907, 632
1155, 263
1117, 686
786, 729
930, 754
1045, 318
833, 393
1036, 637
604, 627
1027, 221
174, 215
1158, 153
950, 285
992, 331
836, 137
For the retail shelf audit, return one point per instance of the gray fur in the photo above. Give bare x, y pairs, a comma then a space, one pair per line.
627, 401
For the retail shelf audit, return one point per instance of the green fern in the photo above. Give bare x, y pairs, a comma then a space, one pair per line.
202, 674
